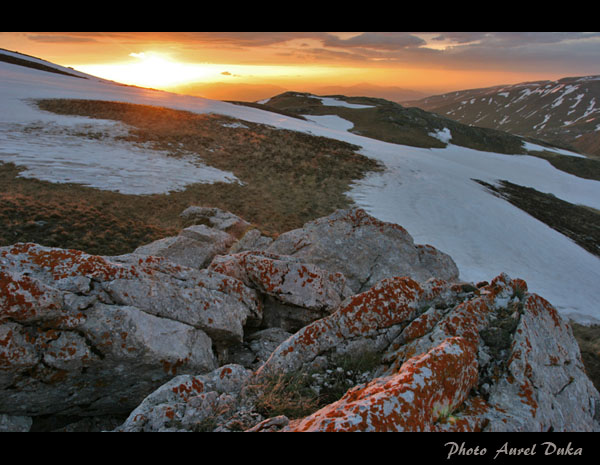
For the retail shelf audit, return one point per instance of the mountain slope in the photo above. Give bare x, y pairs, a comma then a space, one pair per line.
430, 190
564, 112
390, 122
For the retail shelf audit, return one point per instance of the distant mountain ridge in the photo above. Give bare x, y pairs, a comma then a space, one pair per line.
565, 112
392, 122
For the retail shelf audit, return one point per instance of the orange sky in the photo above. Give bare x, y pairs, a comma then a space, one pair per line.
259, 64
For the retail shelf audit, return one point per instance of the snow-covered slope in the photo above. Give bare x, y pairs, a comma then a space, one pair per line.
428, 191
566, 111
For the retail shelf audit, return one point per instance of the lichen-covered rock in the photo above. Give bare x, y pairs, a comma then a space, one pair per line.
88, 335
416, 398
519, 364
190, 403
371, 319
195, 246
364, 249
297, 293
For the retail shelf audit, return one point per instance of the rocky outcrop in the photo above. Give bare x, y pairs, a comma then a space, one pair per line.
364, 249
452, 358
83, 335
296, 293
497, 359
178, 348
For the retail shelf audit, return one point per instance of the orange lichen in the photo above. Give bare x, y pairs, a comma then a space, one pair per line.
390, 302
407, 400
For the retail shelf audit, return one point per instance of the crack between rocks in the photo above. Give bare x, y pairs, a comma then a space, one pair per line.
371, 270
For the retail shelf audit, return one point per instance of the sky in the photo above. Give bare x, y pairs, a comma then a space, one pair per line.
256, 65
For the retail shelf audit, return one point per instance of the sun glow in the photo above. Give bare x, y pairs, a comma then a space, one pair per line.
160, 71
149, 69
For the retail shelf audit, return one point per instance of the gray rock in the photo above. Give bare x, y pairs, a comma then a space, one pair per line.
194, 247
297, 293
190, 403
364, 249
252, 240
88, 335
257, 347
216, 218
14, 424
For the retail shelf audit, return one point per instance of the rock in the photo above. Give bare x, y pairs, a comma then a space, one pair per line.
86, 340
257, 347
14, 424
87, 335
195, 246
420, 394
499, 359
364, 249
252, 240
270, 425
297, 293
371, 319
216, 218
190, 403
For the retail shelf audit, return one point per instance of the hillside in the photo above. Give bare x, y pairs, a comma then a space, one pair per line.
129, 166
564, 112
391, 122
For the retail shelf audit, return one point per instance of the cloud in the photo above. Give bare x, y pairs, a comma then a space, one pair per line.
376, 40
63, 38
572, 52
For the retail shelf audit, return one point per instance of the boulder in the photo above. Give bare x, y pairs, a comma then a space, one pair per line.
495, 359
88, 335
296, 293
195, 246
215, 218
364, 249
252, 240
190, 403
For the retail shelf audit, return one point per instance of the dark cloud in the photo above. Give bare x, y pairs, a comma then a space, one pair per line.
515, 51
376, 40
55, 38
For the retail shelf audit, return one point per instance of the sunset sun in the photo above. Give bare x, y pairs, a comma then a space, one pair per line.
149, 69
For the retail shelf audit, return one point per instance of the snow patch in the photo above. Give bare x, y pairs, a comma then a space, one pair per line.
536, 147
331, 121
334, 102
442, 134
